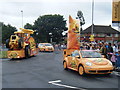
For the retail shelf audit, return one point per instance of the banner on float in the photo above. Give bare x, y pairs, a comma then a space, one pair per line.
115, 12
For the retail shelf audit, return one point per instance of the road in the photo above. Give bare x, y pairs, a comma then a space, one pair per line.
39, 71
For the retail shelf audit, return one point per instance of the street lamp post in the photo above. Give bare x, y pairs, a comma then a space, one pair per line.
37, 38
36, 33
22, 17
50, 37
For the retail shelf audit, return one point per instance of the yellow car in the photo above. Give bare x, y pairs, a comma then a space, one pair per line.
86, 62
46, 47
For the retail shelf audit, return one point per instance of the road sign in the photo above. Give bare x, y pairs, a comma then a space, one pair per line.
116, 12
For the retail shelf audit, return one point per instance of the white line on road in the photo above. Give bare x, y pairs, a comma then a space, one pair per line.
116, 73
58, 81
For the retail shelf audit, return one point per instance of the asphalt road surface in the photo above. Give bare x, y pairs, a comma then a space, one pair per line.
45, 70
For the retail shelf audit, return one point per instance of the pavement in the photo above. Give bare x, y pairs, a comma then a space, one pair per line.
45, 70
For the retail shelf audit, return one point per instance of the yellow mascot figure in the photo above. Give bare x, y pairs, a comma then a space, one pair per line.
73, 38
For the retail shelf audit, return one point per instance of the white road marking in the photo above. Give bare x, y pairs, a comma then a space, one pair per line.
58, 81
116, 73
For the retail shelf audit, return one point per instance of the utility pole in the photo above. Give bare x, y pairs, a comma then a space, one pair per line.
92, 16
92, 35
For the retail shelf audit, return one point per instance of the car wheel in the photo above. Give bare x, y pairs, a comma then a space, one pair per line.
27, 51
81, 70
65, 65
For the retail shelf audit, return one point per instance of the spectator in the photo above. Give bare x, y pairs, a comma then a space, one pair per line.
115, 49
59, 46
109, 51
104, 51
91, 47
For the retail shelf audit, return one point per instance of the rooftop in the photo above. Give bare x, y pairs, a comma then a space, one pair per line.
100, 29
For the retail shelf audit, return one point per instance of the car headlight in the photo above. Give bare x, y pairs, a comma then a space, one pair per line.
88, 63
110, 63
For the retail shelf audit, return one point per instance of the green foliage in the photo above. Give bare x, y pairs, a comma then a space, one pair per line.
3, 54
119, 40
7, 31
46, 24
28, 26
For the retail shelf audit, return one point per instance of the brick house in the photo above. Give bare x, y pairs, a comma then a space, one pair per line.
101, 33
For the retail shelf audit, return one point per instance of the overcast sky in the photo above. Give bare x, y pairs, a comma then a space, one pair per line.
10, 10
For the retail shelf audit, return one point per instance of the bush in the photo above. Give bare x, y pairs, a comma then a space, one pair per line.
3, 54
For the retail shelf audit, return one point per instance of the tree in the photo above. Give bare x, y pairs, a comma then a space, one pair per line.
7, 31
46, 24
28, 26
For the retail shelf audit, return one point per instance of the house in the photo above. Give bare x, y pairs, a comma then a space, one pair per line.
101, 33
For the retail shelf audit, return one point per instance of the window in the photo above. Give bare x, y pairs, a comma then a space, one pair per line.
48, 45
40, 45
116, 35
109, 35
101, 35
75, 53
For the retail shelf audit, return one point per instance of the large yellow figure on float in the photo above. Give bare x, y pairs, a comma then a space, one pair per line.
73, 38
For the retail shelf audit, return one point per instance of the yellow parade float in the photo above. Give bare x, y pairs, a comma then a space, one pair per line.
21, 44
83, 61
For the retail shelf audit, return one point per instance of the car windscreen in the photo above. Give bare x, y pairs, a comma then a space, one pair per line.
40, 44
48, 45
90, 54
75, 53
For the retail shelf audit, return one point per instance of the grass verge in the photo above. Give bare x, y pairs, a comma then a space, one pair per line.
3, 54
